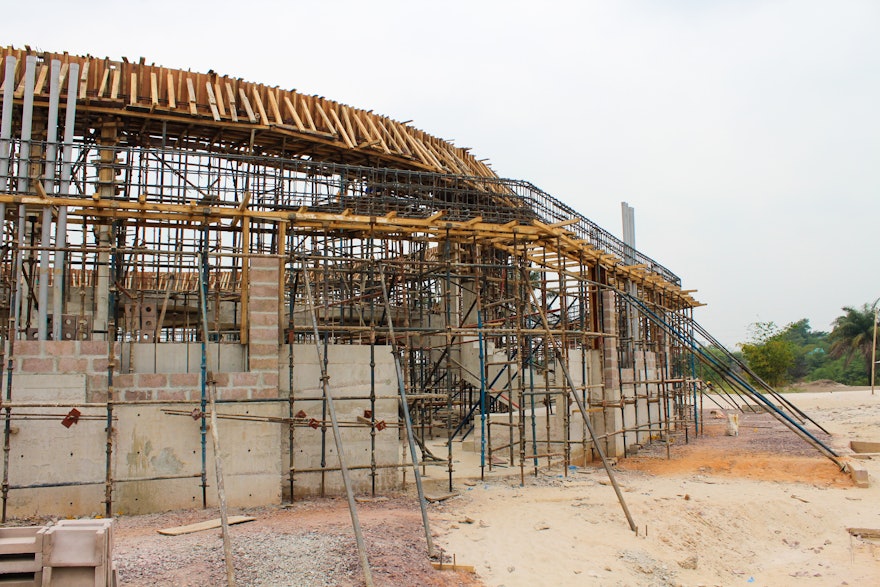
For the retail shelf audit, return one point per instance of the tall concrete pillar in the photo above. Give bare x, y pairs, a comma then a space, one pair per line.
612, 421
106, 189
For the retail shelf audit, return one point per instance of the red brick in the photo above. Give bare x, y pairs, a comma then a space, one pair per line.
265, 319
260, 334
123, 380
171, 395
152, 380
60, 348
264, 392
97, 396
263, 291
93, 347
263, 349
137, 395
73, 365
263, 364
245, 379
221, 379
96, 382
263, 305
270, 379
37, 365
233, 393
99, 364
185, 379
264, 274
27, 348
258, 263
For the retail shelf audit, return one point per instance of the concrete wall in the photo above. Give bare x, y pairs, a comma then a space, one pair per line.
148, 442
349, 385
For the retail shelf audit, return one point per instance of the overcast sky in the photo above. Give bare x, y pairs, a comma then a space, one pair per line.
746, 134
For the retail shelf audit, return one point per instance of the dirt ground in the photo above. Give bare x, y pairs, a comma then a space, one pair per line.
761, 508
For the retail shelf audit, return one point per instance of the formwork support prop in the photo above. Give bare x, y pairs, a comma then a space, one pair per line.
573, 391
404, 406
337, 436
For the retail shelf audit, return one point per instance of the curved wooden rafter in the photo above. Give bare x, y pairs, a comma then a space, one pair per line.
236, 115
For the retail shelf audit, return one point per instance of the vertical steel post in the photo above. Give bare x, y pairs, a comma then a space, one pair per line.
63, 189
49, 188
404, 405
24, 156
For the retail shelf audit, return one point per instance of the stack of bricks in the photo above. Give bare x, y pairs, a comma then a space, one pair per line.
72, 553
86, 357
264, 319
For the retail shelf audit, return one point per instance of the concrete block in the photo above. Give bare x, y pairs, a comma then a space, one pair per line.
859, 474
21, 552
78, 552
35, 387
74, 577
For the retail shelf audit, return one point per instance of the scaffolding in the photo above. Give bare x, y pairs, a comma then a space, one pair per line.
507, 313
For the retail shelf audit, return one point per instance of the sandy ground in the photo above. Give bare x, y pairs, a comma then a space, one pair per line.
763, 508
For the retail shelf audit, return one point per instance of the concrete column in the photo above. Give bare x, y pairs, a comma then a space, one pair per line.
264, 305
106, 189
612, 420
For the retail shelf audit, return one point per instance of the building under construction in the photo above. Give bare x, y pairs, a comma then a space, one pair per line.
349, 293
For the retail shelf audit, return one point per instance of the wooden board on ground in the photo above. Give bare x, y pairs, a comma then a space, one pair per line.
864, 446
439, 497
864, 532
453, 567
206, 525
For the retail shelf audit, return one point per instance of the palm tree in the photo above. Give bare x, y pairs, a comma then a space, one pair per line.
853, 334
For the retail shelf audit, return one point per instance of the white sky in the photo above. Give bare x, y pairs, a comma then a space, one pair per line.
745, 133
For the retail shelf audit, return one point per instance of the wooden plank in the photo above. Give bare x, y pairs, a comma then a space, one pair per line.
348, 127
247, 106
273, 106
259, 102
207, 525
218, 95
62, 75
230, 93
133, 89
154, 89
41, 78
192, 97
341, 128
863, 446
864, 532
84, 80
308, 113
453, 567
378, 134
212, 101
172, 99
325, 118
440, 496
114, 85
104, 80
296, 119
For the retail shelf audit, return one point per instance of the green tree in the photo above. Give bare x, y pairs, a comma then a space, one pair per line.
853, 335
769, 354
